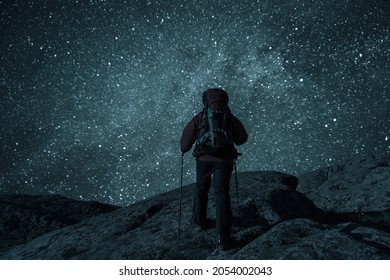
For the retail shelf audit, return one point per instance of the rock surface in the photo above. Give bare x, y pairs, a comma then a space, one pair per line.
25, 217
358, 185
337, 212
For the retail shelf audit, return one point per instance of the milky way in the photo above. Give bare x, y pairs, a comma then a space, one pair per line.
95, 94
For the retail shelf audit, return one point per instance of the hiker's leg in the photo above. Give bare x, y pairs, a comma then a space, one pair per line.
201, 191
224, 214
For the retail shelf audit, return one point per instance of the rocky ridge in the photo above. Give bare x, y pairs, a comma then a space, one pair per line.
336, 212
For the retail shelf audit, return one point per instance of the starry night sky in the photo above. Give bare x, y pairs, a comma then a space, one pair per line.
95, 93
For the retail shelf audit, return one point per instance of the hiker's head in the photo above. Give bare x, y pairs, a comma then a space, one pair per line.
215, 97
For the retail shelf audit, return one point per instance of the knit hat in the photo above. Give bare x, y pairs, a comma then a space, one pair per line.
214, 95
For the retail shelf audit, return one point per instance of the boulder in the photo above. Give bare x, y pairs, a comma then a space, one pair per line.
359, 185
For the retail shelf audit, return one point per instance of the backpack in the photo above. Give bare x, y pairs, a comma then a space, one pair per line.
216, 139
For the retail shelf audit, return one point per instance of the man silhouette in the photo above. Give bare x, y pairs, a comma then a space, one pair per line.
215, 156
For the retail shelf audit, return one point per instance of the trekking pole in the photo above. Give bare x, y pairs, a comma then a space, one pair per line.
235, 175
181, 189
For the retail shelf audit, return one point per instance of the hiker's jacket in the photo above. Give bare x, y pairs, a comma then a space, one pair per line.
195, 128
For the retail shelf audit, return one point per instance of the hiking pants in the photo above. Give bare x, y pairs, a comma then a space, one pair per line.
219, 174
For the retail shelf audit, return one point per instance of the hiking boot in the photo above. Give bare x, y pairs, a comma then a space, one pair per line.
207, 224
225, 242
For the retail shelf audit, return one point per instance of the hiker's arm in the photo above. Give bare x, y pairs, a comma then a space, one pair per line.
240, 136
189, 136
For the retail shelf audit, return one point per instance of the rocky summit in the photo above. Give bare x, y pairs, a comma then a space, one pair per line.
336, 212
